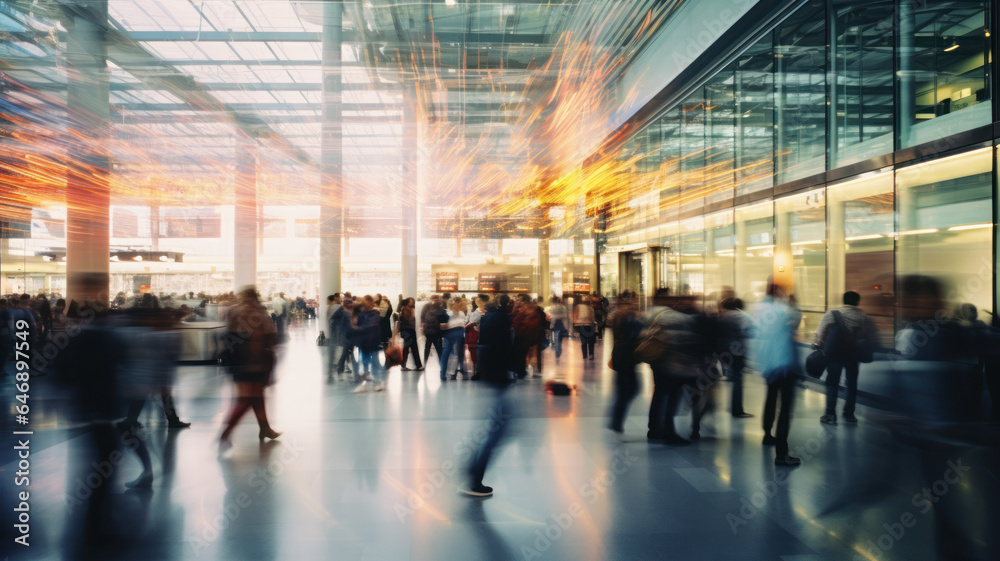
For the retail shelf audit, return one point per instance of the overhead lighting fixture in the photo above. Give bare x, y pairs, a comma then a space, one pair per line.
46, 258
915, 232
970, 227
951, 47
163, 258
759, 247
114, 258
137, 258
810, 242
449, 2
864, 237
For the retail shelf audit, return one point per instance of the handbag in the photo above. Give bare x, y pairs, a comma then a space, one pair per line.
653, 342
816, 363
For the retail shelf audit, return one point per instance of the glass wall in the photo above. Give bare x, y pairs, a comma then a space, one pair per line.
835, 84
943, 55
944, 215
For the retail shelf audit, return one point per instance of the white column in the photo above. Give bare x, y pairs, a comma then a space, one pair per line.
331, 211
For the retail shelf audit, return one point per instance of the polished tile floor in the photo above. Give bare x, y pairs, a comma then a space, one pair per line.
371, 476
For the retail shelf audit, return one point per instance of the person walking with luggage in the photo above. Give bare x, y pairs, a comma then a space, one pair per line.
775, 323
840, 333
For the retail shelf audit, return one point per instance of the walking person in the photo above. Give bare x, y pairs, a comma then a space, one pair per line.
406, 327
367, 329
839, 334
385, 318
625, 327
343, 335
775, 323
453, 332
495, 351
472, 332
734, 327
430, 323
558, 320
335, 326
670, 371
253, 336
586, 326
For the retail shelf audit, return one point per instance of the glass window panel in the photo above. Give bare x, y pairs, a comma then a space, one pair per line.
755, 118
754, 251
945, 218
692, 257
669, 155
720, 138
719, 255
861, 104
860, 257
800, 93
800, 256
943, 55
692, 162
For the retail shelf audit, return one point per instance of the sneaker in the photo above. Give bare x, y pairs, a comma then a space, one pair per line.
743, 415
828, 419
675, 440
380, 387
403, 369
362, 387
695, 434
619, 435
591, 357
790, 461
177, 424
650, 435
479, 490
850, 418
769, 440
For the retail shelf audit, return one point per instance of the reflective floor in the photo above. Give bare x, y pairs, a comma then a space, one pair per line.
372, 476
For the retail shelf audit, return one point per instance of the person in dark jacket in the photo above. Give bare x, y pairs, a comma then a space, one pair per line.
406, 327
430, 322
625, 327
495, 351
368, 340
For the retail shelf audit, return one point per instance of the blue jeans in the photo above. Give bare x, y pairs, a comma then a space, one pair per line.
453, 340
556, 335
370, 360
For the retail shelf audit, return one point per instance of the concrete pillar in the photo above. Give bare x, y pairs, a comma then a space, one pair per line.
415, 161
246, 225
331, 228
88, 193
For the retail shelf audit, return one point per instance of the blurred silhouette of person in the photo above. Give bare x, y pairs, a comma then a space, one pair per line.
385, 318
586, 325
43, 310
252, 337
625, 327
734, 326
558, 320
525, 322
430, 323
775, 322
839, 334
345, 318
600, 305
367, 332
334, 326
453, 331
406, 327
472, 332
6, 341
495, 352
668, 374
153, 348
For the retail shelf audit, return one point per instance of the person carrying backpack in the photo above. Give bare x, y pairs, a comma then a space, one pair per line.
842, 335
